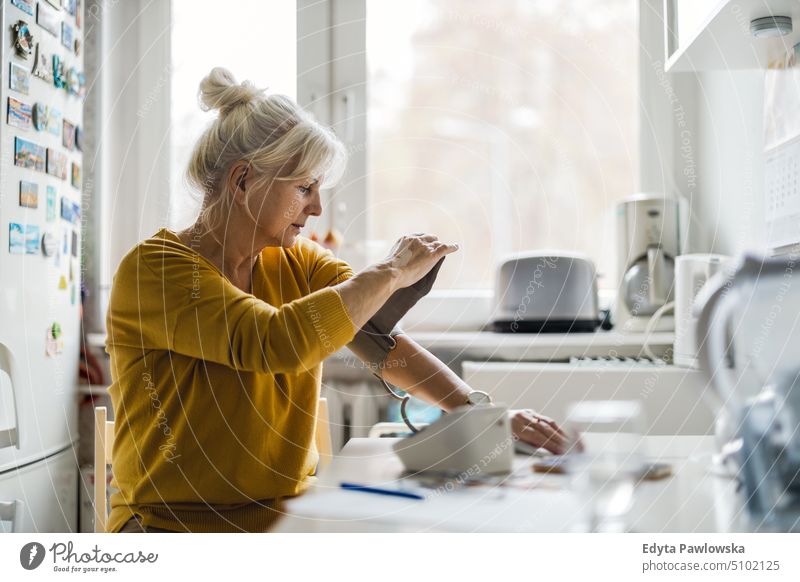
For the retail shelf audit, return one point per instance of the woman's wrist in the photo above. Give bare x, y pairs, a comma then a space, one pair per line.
388, 273
365, 293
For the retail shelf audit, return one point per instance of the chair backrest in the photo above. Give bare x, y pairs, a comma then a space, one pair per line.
104, 444
322, 434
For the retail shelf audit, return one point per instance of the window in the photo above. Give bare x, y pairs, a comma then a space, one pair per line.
255, 40
504, 126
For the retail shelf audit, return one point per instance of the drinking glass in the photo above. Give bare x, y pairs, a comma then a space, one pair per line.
606, 465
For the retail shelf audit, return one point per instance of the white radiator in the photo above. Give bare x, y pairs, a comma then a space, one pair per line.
353, 408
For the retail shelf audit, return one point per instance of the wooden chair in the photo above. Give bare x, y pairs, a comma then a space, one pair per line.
104, 444
322, 435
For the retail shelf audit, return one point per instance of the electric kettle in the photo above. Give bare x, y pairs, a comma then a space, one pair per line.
748, 335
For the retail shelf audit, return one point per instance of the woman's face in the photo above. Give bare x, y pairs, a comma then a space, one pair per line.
285, 209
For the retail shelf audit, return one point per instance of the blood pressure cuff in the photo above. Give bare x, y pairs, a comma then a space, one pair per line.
373, 342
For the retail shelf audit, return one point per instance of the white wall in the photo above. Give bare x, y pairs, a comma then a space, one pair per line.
133, 73
701, 136
729, 204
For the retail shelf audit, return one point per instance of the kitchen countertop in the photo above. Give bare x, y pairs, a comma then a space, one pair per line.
453, 348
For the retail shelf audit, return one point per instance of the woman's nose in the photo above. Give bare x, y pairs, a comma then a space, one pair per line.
315, 207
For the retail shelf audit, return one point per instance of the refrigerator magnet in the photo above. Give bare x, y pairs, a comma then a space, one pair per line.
58, 72
62, 283
23, 39
18, 79
16, 239
49, 244
41, 65
56, 163
70, 211
53, 121
40, 114
76, 176
68, 135
25, 5
47, 19
77, 47
19, 114
51, 203
54, 341
74, 249
28, 194
32, 240
72, 294
50, 346
78, 138
28, 155
73, 81
67, 36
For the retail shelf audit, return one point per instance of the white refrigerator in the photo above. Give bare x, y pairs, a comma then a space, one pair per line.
40, 249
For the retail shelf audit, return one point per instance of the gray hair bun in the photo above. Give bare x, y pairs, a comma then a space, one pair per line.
219, 90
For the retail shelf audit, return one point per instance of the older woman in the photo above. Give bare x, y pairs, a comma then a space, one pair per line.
217, 333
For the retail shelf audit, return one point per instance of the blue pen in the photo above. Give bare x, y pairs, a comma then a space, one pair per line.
381, 491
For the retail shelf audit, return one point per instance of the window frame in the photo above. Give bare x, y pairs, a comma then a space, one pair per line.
332, 83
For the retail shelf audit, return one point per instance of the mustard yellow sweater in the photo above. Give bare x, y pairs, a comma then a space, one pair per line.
215, 390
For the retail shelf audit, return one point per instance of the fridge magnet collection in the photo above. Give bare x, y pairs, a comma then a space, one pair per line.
30, 57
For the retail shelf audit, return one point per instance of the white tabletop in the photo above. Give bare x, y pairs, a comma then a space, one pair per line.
693, 499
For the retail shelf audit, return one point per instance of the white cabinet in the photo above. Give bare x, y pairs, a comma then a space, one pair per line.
702, 35
672, 397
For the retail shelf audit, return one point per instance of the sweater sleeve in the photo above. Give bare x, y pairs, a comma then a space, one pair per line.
241, 331
324, 268
166, 299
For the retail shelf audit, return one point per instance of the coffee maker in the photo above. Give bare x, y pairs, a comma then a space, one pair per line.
648, 240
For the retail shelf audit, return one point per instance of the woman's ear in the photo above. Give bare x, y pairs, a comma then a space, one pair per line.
237, 180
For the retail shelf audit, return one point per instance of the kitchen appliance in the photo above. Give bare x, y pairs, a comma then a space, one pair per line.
749, 327
40, 237
691, 273
546, 291
648, 240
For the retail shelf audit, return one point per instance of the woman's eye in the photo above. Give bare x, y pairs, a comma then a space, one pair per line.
304, 189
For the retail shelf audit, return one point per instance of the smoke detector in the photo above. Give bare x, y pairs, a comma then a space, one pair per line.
771, 26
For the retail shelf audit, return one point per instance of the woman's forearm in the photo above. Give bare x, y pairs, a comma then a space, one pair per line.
411, 258
365, 293
415, 370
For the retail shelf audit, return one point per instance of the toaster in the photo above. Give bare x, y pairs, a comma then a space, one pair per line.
545, 292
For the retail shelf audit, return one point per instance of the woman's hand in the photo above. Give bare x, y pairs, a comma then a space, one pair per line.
414, 255
540, 431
